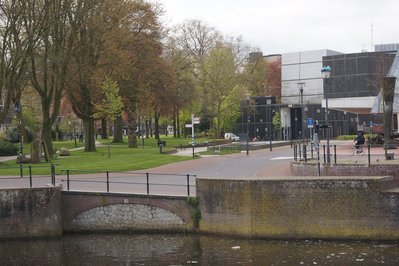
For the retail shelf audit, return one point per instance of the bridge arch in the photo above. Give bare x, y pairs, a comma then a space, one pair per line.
87, 211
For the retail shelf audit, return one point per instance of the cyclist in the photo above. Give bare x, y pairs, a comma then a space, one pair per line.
359, 140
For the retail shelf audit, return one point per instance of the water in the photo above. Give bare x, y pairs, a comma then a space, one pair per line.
180, 249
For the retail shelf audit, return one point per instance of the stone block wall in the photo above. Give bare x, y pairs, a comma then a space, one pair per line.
85, 211
300, 207
30, 212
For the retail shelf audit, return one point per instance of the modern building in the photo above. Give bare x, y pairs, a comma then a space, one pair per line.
344, 100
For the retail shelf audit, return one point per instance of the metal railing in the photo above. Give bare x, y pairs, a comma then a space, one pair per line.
31, 176
137, 179
344, 154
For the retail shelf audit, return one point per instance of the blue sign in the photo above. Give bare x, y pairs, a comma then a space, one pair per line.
310, 122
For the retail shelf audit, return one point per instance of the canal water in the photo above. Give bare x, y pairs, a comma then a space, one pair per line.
181, 249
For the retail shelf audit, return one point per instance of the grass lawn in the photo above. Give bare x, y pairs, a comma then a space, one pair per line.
122, 158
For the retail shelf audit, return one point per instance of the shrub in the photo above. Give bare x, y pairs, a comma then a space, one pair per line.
8, 149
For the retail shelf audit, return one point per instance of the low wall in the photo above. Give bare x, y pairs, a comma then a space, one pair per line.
31, 212
300, 207
310, 169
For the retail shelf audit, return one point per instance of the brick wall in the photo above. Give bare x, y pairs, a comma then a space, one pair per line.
33, 212
300, 207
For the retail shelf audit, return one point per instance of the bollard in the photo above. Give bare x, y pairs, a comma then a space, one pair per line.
107, 181
67, 179
52, 170
148, 183
30, 176
368, 154
188, 185
300, 152
295, 157
335, 154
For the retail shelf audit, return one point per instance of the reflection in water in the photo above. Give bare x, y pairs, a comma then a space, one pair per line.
180, 249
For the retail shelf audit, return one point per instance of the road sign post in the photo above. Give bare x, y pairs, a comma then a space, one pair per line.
194, 120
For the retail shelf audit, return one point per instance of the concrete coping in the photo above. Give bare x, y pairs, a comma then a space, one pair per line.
304, 178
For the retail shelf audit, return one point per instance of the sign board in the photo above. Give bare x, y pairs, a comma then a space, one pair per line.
310, 122
188, 125
196, 120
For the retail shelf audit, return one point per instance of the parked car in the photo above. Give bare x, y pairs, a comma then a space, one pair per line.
231, 136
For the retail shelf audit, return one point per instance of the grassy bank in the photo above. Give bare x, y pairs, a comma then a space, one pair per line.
122, 158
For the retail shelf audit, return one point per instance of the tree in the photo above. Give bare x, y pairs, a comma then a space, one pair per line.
110, 107
50, 59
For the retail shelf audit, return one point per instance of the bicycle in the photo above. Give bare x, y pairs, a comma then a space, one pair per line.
360, 150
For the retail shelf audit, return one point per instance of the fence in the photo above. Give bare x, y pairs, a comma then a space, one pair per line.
133, 182
344, 153
143, 181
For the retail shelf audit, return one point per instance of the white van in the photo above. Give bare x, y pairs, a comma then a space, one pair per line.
231, 136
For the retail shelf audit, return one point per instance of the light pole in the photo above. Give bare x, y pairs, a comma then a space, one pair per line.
326, 71
18, 109
269, 104
300, 85
248, 98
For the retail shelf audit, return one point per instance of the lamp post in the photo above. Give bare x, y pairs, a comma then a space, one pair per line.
269, 104
248, 98
326, 71
18, 109
300, 85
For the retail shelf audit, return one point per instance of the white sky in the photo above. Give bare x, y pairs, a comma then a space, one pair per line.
281, 26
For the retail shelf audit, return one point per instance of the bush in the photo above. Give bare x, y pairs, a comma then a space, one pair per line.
8, 149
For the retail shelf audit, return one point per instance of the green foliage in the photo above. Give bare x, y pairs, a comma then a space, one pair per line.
8, 149
196, 212
111, 104
276, 121
193, 201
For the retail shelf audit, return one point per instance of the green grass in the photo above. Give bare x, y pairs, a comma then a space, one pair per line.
122, 158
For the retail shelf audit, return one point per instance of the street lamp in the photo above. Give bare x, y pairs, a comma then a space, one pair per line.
248, 98
18, 109
300, 85
269, 104
326, 71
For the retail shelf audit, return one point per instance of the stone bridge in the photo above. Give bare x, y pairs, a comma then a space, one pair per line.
88, 211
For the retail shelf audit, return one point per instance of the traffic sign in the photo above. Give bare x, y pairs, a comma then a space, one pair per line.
188, 125
310, 122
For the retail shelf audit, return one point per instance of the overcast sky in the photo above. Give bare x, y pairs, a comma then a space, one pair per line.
281, 26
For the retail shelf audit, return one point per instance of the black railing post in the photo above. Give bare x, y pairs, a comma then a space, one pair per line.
67, 179
52, 170
148, 183
368, 154
188, 185
324, 153
335, 154
107, 181
295, 157
30, 176
304, 153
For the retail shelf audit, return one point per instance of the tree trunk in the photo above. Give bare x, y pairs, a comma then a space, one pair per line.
89, 136
118, 130
47, 140
178, 123
35, 156
132, 125
174, 122
104, 134
156, 125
